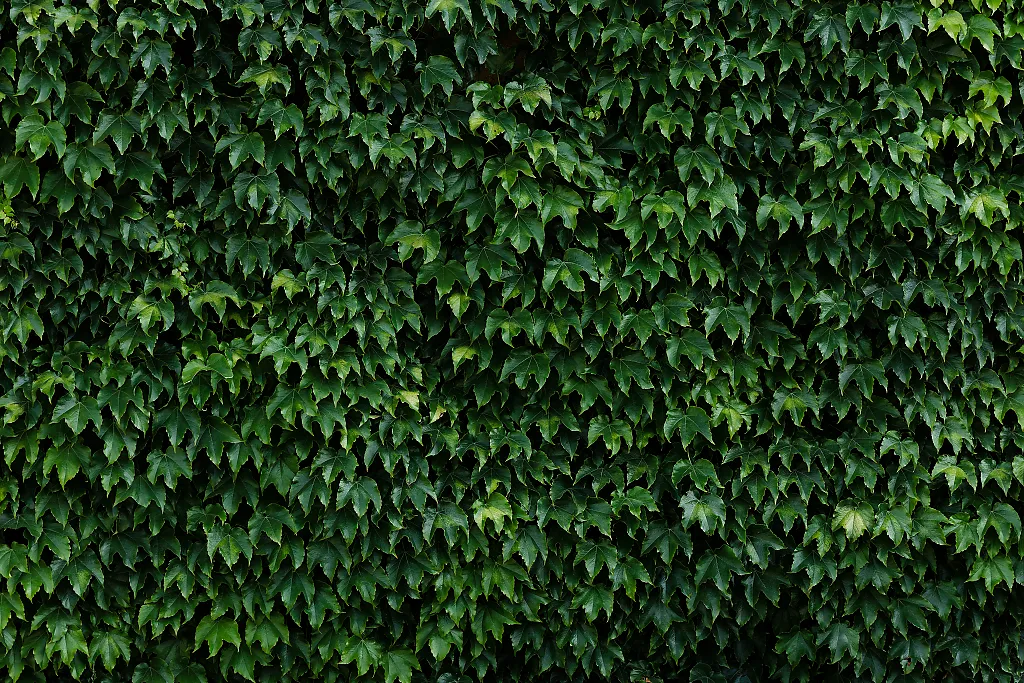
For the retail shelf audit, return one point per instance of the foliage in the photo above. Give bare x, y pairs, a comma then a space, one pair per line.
511, 340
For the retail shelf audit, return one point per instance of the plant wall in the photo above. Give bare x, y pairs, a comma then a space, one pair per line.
511, 340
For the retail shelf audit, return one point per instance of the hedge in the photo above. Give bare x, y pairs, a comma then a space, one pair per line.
511, 340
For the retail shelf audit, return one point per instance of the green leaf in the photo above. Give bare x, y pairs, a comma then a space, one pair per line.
446, 275
569, 270
563, 202
1006, 521
16, 173
992, 88
119, 127
265, 76
267, 631
139, 166
293, 208
593, 599
520, 229
668, 120
707, 510
88, 159
733, 319
842, 640
215, 632
688, 423
77, 414
637, 499
955, 472
68, 459
150, 311
108, 647
693, 345
495, 508
487, 258
152, 53
529, 93
241, 147
796, 646
983, 28
718, 566
895, 523
360, 493
67, 641
783, 210
993, 570
249, 252
720, 195
866, 15
631, 368
364, 652
399, 664
410, 235
700, 473
523, 364
254, 190
231, 543
906, 16
24, 322
951, 21
8, 60
930, 190
438, 71
702, 158
906, 450
449, 10
854, 519
284, 117
985, 202
40, 135
396, 148
211, 437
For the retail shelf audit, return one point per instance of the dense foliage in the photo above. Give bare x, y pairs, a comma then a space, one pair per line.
511, 340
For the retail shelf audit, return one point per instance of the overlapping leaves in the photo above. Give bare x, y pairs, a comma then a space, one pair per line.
511, 340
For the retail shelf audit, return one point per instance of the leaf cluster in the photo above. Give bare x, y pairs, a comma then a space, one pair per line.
511, 340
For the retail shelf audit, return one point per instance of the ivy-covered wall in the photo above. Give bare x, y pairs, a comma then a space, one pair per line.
511, 340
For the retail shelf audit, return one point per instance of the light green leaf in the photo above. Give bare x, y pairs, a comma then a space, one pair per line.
449, 10
854, 519
495, 508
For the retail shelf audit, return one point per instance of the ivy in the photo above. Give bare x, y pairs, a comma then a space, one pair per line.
515, 340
